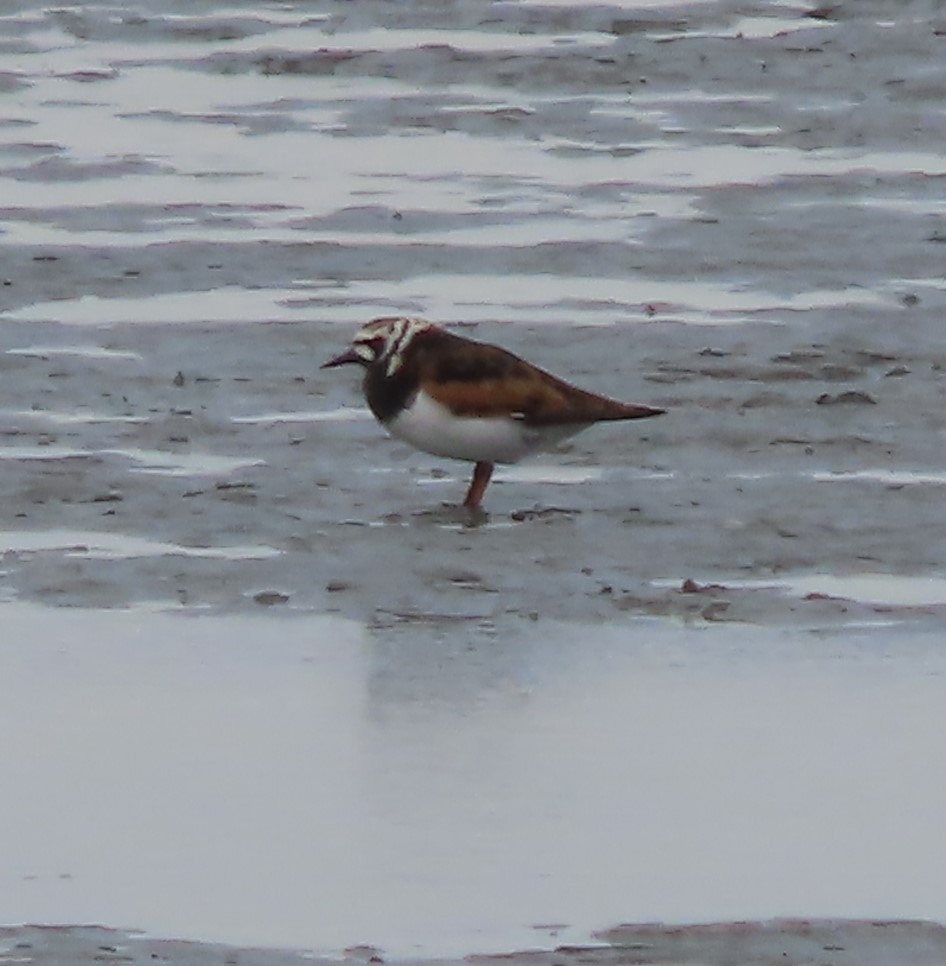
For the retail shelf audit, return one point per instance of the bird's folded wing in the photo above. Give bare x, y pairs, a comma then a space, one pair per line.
479, 380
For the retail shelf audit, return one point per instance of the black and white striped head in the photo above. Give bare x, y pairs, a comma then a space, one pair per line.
381, 341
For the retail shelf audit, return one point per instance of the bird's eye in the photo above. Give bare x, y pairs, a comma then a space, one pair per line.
369, 349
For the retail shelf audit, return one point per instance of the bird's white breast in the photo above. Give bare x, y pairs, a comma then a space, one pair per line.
431, 427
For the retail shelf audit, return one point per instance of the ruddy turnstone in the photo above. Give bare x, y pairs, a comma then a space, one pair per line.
468, 400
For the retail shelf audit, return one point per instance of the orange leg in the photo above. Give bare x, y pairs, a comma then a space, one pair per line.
481, 474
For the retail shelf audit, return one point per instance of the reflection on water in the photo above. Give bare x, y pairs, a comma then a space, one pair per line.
116, 546
432, 792
144, 461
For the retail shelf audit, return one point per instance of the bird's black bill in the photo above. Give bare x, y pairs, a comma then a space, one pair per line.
346, 358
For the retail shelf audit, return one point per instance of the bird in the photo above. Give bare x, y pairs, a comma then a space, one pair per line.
452, 396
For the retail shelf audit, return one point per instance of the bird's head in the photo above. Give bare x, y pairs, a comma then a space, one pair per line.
381, 341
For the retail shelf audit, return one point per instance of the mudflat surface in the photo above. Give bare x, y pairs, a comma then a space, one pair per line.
706, 642
793, 942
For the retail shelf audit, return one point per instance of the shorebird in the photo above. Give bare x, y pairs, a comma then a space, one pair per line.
467, 400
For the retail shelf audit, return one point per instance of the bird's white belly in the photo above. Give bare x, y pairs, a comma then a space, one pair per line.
431, 427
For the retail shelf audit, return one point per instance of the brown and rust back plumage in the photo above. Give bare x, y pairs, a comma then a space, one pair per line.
476, 379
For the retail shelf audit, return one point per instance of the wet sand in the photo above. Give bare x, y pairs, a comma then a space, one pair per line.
795, 942
732, 211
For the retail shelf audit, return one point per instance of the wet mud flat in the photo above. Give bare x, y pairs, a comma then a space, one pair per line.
213, 466
730, 211
711, 641
794, 942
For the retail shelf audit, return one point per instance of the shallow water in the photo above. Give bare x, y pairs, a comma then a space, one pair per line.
559, 158
686, 670
313, 781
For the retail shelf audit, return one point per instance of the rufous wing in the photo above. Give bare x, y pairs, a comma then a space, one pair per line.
476, 379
